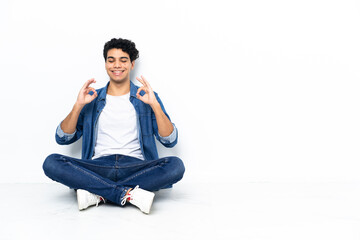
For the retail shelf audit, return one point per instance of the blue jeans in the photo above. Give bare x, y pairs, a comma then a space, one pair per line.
112, 176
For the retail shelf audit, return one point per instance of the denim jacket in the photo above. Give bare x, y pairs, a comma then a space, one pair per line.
146, 123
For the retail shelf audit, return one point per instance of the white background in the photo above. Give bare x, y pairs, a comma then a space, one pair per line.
261, 91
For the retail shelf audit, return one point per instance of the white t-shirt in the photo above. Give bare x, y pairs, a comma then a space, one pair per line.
117, 129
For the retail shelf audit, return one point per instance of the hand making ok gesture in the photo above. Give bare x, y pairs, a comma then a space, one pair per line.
84, 97
149, 96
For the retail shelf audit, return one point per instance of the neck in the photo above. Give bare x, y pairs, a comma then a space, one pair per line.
118, 88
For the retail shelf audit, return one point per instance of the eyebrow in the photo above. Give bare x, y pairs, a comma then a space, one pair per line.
120, 58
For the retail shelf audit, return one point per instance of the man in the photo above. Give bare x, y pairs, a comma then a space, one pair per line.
117, 124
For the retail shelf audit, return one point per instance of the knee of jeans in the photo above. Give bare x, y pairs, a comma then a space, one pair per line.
51, 164
178, 168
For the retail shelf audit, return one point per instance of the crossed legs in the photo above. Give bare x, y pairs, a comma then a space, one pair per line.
112, 176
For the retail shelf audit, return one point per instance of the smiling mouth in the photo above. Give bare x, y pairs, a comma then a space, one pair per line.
118, 72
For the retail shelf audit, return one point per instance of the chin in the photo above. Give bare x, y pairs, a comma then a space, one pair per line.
118, 80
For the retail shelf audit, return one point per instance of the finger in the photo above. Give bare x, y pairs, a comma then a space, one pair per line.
94, 95
141, 89
89, 89
146, 82
143, 81
139, 96
140, 80
88, 82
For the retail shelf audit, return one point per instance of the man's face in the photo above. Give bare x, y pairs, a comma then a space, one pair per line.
118, 65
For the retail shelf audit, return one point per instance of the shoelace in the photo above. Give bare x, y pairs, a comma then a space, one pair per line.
123, 200
96, 198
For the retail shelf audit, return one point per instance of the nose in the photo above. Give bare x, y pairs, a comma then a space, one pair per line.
117, 64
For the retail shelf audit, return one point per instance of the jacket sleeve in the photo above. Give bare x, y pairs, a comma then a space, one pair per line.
167, 141
63, 138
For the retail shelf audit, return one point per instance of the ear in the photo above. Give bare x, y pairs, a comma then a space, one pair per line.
132, 65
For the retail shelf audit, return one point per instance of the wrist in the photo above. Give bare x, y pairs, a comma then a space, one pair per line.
155, 106
78, 107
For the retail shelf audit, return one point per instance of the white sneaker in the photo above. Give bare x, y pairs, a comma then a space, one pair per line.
141, 198
86, 199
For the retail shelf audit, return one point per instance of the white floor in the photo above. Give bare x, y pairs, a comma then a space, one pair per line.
188, 211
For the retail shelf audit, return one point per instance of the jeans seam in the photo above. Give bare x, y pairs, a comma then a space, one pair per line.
85, 163
95, 177
164, 160
132, 165
140, 173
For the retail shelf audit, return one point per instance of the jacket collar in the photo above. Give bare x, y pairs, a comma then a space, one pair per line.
133, 89
102, 92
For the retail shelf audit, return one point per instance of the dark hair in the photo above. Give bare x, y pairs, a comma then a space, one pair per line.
123, 44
